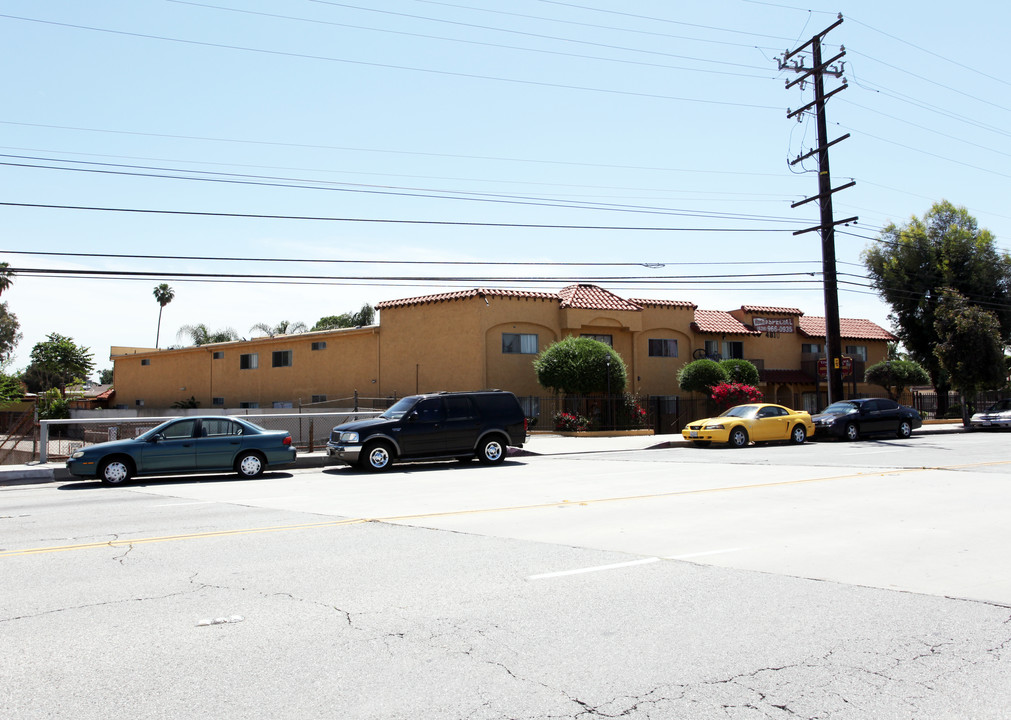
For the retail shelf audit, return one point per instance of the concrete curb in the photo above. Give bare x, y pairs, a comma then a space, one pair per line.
548, 445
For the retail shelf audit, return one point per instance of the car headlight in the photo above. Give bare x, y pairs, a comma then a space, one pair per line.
77, 455
712, 427
349, 437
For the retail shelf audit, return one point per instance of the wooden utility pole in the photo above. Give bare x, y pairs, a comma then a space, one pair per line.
817, 73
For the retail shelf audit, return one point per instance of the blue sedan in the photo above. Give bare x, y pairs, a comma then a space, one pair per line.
186, 445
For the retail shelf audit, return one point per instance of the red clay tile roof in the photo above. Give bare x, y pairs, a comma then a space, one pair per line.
591, 297
849, 328
641, 302
464, 295
771, 310
717, 321
785, 376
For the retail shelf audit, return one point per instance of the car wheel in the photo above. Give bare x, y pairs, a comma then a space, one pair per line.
738, 437
851, 432
905, 429
377, 457
799, 435
115, 471
250, 465
702, 443
492, 451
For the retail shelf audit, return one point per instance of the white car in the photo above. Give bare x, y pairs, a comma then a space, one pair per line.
997, 415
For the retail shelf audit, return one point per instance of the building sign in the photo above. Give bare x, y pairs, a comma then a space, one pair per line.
776, 325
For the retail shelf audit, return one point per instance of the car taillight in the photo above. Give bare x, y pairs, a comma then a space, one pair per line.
526, 424
287, 440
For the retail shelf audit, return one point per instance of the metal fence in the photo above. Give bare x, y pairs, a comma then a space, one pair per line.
59, 439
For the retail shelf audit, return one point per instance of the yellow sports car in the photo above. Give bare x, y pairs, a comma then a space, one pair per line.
755, 422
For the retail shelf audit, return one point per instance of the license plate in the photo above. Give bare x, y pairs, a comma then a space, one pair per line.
693, 433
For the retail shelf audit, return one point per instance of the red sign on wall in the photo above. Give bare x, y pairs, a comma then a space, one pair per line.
846, 363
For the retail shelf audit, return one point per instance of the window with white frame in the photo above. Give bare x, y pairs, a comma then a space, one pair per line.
319, 345
249, 361
519, 343
319, 398
218, 354
810, 348
249, 405
218, 401
606, 339
733, 349
145, 361
280, 358
663, 347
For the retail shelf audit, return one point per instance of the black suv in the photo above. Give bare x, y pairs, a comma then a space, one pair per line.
438, 425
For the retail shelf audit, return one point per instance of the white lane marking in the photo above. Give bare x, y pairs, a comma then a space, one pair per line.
702, 554
596, 568
232, 501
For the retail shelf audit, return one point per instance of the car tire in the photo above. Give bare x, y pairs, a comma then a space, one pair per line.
905, 429
377, 457
851, 431
491, 451
250, 465
115, 471
738, 437
798, 435
702, 443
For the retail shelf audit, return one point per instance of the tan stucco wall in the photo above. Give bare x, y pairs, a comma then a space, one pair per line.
348, 363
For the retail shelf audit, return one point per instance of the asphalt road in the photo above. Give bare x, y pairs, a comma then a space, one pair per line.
830, 580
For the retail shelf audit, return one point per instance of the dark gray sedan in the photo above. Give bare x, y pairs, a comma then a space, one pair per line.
186, 445
852, 419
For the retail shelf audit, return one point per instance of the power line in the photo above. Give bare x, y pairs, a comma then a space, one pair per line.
322, 218
496, 263
502, 46
385, 66
305, 184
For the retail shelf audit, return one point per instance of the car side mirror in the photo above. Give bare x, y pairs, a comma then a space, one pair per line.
412, 416
157, 437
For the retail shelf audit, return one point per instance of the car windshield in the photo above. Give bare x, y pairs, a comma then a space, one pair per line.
1002, 406
839, 408
399, 408
741, 411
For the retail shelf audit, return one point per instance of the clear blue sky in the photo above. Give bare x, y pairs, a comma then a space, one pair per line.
464, 122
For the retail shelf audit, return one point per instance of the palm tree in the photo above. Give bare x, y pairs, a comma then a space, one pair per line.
163, 294
6, 277
200, 334
282, 328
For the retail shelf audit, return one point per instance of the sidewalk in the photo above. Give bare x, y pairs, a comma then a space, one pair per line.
537, 444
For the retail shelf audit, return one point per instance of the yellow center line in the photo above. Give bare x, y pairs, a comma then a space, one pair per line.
513, 508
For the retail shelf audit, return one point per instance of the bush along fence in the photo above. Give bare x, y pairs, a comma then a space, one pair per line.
613, 413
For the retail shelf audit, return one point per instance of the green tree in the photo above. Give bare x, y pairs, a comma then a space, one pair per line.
896, 375
6, 277
163, 294
190, 402
200, 334
701, 376
580, 366
912, 263
12, 389
284, 327
741, 372
365, 316
105, 376
52, 405
59, 361
970, 349
10, 333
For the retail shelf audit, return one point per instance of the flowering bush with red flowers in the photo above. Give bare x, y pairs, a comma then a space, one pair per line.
567, 422
730, 394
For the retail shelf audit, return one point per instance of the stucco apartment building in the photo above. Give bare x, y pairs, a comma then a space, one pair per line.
487, 338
